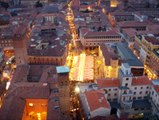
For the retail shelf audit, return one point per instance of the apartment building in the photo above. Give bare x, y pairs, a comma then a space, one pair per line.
112, 55
109, 61
35, 94
127, 93
155, 96
94, 38
48, 39
94, 103
149, 46
31, 2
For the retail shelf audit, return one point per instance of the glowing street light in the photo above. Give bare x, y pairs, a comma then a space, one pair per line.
7, 85
89, 8
77, 89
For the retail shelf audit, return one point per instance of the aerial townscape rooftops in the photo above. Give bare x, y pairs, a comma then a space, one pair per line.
79, 60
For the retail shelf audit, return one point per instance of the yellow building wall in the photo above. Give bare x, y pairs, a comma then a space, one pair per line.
111, 72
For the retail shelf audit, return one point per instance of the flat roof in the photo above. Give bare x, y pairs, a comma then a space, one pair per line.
62, 69
127, 55
141, 104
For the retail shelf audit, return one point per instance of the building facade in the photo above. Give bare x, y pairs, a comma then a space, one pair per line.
149, 47
95, 38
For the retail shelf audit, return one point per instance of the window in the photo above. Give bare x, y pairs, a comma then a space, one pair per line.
134, 93
115, 89
56, 99
127, 78
127, 74
126, 84
145, 97
115, 94
109, 89
136, 109
140, 92
114, 100
134, 98
139, 98
135, 88
141, 87
147, 87
56, 107
152, 92
108, 94
55, 90
142, 108
123, 98
146, 92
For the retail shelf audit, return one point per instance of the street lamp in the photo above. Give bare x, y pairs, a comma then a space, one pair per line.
77, 89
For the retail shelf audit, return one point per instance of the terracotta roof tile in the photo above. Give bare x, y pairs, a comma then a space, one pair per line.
133, 23
142, 80
102, 83
96, 100
105, 33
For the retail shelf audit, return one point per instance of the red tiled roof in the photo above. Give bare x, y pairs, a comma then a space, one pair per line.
106, 33
96, 100
142, 80
130, 31
133, 23
156, 87
102, 83
152, 40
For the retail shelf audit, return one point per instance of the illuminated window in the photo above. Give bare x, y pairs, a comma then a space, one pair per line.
31, 104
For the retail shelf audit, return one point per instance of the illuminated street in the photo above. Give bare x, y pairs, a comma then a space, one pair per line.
149, 73
82, 69
79, 59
